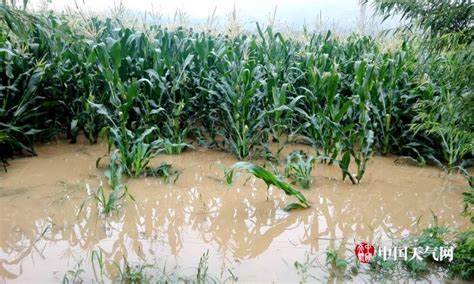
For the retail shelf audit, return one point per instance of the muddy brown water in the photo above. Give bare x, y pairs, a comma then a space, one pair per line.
172, 225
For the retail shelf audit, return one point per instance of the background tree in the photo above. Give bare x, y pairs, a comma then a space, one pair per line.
446, 23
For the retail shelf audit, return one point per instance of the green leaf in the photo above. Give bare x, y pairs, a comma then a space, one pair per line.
268, 178
116, 53
293, 206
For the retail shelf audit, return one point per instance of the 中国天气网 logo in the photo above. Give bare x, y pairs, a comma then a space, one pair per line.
365, 252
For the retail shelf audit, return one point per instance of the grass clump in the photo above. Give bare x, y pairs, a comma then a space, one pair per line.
337, 263
463, 260
74, 275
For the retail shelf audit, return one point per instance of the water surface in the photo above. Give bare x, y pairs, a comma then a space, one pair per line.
172, 225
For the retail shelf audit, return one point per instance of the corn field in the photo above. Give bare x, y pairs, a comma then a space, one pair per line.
161, 90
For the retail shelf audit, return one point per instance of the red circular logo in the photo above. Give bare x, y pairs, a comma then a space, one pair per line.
364, 252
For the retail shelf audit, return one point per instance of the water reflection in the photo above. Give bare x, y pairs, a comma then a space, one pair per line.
199, 212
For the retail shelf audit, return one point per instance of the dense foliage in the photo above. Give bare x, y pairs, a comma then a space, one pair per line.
153, 90
445, 32
447, 22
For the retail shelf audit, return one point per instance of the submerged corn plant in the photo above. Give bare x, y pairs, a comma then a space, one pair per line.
134, 152
358, 138
299, 167
462, 264
74, 275
133, 148
269, 180
164, 171
337, 263
202, 269
114, 172
109, 202
303, 267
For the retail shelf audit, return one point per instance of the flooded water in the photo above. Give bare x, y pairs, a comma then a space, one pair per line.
173, 225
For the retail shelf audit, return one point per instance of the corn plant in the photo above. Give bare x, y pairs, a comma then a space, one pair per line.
109, 202
392, 78
269, 179
132, 148
173, 99
114, 172
238, 116
323, 108
134, 152
137, 147
19, 104
165, 171
359, 147
443, 117
88, 120
280, 114
277, 56
106, 203
4, 139
358, 140
299, 167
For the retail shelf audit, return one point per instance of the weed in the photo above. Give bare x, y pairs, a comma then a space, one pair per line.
383, 267
132, 274
463, 264
98, 257
74, 275
337, 264
303, 267
202, 269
